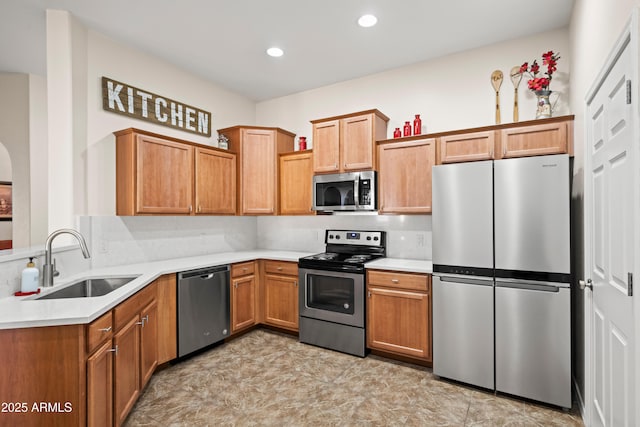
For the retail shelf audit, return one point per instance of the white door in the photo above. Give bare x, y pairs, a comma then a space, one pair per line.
610, 227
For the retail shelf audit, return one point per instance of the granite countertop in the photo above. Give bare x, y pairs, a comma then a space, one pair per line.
26, 312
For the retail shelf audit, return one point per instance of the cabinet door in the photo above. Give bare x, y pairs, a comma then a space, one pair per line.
398, 321
281, 301
535, 140
296, 184
167, 318
164, 176
126, 369
259, 178
215, 182
357, 143
148, 342
243, 297
100, 387
326, 146
467, 147
405, 176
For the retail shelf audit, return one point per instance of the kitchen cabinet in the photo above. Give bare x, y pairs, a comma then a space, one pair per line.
399, 313
347, 143
167, 318
258, 149
296, 183
100, 371
243, 295
45, 364
404, 176
467, 147
532, 138
159, 175
215, 182
281, 294
136, 347
537, 139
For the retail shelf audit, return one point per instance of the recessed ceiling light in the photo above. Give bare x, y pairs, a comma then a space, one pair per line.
275, 52
367, 21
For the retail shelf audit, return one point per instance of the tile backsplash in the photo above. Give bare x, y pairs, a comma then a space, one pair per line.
115, 240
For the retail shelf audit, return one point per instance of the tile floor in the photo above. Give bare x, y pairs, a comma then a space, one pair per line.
268, 378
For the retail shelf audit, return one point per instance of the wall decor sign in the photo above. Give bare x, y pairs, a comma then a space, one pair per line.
6, 210
141, 104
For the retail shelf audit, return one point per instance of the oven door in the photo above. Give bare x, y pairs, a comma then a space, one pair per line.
332, 296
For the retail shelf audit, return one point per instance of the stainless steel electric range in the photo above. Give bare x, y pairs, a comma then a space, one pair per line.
332, 295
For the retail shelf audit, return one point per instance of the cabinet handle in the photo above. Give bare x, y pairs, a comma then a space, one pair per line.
244, 269
107, 329
141, 323
279, 268
395, 281
199, 208
114, 350
190, 208
491, 152
335, 166
504, 150
145, 319
369, 294
295, 283
235, 285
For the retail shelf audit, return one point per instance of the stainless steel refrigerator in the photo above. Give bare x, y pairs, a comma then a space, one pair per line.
501, 276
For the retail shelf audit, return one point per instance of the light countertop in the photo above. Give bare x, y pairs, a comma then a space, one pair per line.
24, 312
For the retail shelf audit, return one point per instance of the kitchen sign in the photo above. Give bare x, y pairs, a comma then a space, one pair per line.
129, 101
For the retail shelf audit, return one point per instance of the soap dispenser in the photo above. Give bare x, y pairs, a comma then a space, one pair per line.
30, 278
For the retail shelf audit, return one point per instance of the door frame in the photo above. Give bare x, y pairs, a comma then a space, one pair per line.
631, 36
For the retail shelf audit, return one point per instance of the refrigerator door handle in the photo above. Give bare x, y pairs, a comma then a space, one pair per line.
467, 281
527, 286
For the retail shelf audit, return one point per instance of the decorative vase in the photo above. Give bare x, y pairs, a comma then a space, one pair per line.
397, 133
302, 143
544, 109
407, 129
417, 125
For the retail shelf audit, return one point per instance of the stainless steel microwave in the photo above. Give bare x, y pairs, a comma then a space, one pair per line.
353, 191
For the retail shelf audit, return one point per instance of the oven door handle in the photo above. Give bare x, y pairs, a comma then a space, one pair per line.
356, 190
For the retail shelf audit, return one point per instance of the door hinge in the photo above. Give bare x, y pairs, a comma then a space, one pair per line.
630, 284
628, 91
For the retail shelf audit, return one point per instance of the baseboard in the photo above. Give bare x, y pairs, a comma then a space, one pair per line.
581, 404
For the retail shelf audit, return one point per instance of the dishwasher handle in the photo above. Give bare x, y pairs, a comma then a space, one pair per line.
203, 273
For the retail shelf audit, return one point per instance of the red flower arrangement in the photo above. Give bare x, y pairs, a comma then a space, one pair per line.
550, 60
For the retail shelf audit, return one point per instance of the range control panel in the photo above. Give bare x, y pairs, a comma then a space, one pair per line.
352, 237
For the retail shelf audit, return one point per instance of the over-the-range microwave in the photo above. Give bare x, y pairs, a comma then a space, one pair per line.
352, 191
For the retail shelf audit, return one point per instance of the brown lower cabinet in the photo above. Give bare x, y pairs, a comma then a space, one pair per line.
243, 295
399, 313
281, 294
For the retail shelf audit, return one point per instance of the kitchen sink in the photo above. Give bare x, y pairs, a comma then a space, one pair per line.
92, 287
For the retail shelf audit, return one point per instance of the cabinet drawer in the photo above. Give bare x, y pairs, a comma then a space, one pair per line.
243, 269
99, 330
390, 279
281, 267
131, 307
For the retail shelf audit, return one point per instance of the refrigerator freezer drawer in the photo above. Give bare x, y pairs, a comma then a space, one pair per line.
463, 330
533, 343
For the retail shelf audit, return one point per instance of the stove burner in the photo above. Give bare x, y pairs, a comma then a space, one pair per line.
358, 258
325, 256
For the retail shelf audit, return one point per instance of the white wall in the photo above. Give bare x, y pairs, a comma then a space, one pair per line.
14, 135
453, 92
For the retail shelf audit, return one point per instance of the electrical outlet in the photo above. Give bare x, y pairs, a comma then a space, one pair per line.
103, 246
420, 240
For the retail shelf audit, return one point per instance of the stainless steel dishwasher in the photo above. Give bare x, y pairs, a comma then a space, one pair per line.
203, 308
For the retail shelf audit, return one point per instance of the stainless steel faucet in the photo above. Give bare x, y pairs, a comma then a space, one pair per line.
49, 268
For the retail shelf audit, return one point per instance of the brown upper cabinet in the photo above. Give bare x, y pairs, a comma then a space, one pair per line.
258, 149
296, 183
347, 143
405, 176
533, 138
161, 175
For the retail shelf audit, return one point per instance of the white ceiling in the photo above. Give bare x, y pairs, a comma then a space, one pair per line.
224, 41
